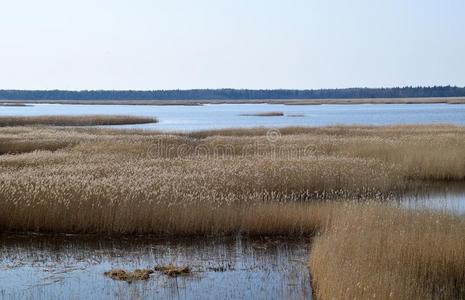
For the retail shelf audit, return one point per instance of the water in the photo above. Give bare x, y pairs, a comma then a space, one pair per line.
441, 197
213, 116
72, 267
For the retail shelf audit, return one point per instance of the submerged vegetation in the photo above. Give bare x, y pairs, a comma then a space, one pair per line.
331, 182
80, 120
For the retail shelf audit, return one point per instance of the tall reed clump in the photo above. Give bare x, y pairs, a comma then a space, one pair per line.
80, 120
380, 252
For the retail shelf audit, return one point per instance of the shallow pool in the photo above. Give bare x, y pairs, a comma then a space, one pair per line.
72, 267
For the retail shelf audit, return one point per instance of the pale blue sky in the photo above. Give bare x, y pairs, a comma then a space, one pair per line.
142, 44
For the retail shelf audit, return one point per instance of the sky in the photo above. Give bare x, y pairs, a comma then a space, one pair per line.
183, 44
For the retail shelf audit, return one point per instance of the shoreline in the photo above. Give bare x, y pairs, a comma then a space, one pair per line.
439, 100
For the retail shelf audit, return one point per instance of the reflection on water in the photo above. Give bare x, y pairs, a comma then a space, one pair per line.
71, 267
443, 197
186, 118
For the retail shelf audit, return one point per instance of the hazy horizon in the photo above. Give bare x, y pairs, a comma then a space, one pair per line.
163, 45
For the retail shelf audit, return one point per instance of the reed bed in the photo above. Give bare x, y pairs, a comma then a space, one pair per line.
264, 114
420, 152
298, 181
114, 193
13, 104
380, 252
81, 120
93, 180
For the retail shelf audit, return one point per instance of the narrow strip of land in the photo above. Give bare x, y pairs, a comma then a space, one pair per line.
80, 120
444, 100
264, 114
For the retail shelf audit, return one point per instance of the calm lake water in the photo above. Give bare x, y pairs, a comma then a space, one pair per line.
188, 118
72, 267
441, 197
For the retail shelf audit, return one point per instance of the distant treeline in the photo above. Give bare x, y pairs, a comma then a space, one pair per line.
231, 94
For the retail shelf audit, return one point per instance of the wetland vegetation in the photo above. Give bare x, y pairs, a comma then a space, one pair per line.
79, 120
333, 183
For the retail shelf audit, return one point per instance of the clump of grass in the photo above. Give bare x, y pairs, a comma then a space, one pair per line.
265, 114
82, 120
173, 271
136, 275
376, 251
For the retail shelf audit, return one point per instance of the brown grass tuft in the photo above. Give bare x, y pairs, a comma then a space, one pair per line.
173, 271
138, 274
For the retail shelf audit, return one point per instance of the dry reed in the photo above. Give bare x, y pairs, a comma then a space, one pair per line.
129, 181
14, 104
380, 252
241, 181
81, 120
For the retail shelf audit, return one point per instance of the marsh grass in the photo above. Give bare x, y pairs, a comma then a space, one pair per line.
14, 104
304, 181
82, 120
107, 181
424, 152
22, 146
125, 182
380, 252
